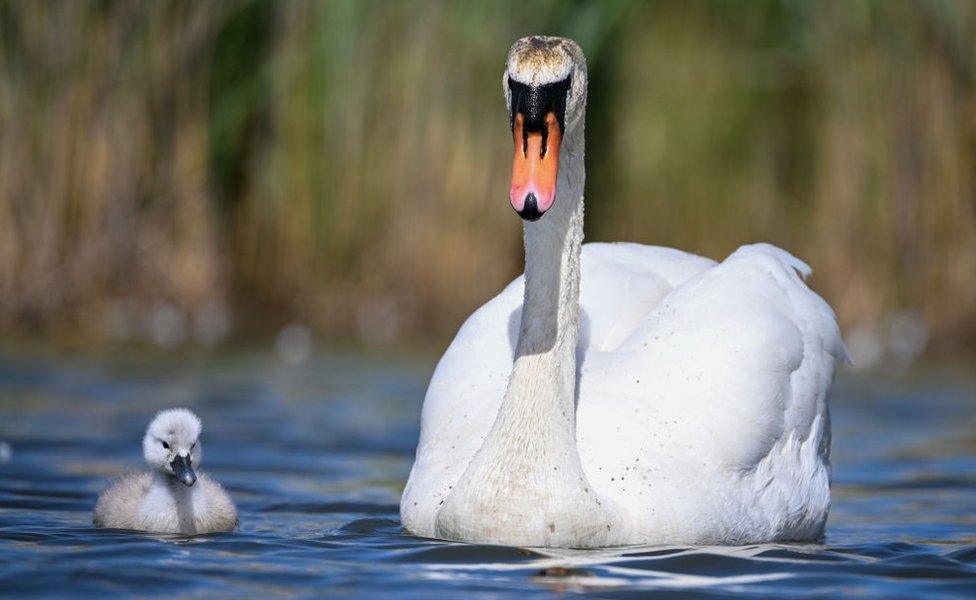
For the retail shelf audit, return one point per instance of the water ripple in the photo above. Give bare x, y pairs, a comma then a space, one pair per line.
316, 461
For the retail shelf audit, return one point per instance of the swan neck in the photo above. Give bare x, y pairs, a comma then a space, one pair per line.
526, 484
182, 499
550, 310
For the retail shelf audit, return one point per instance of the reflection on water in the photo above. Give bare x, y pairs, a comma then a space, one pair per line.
316, 456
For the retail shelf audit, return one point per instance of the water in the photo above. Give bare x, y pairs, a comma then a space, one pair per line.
316, 456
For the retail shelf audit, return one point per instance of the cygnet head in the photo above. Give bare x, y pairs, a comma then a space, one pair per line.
545, 92
172, 444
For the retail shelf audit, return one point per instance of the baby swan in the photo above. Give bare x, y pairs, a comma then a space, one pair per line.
171, 497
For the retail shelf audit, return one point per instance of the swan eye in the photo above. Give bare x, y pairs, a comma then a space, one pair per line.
193, 445
165, 445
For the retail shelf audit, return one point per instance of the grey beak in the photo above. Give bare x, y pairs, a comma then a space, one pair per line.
184, 470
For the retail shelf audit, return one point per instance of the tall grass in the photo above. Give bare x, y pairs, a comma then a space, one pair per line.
345, 163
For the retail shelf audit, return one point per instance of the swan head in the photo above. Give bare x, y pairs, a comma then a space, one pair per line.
545, 92
172, 444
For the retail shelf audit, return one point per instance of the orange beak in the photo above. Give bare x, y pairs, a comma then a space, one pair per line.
535, 167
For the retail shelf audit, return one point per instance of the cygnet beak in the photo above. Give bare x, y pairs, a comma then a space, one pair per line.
184, 470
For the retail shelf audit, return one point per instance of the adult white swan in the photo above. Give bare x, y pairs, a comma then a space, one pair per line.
618, 393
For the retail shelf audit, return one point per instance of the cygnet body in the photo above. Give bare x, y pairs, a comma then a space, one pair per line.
171, 497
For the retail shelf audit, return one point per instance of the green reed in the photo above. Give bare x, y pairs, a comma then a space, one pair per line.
345, 163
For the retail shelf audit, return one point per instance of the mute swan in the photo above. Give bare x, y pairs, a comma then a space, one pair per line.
171, 498
621, 394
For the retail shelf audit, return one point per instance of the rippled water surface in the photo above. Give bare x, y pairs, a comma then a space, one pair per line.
316, 456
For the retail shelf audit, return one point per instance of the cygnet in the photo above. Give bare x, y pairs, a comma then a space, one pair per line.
170, 497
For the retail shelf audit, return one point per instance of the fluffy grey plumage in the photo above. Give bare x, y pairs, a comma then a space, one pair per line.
171, 497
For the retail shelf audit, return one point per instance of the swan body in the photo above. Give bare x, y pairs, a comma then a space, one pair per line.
172, 497
620, 394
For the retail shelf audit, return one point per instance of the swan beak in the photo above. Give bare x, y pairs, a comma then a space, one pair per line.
184, 470
535, 167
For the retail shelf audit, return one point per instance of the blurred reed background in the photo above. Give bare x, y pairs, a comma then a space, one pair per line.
185, 171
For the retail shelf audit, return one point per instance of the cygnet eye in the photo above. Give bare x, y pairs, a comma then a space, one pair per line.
193, 445
165, 445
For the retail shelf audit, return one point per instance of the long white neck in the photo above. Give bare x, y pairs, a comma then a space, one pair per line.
542, 387
526, 485
550, 311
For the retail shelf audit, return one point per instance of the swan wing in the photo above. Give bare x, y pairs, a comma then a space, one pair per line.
621, 282
118, 505
462, 400
720, 396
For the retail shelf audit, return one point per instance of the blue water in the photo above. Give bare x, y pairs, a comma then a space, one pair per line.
316, 456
